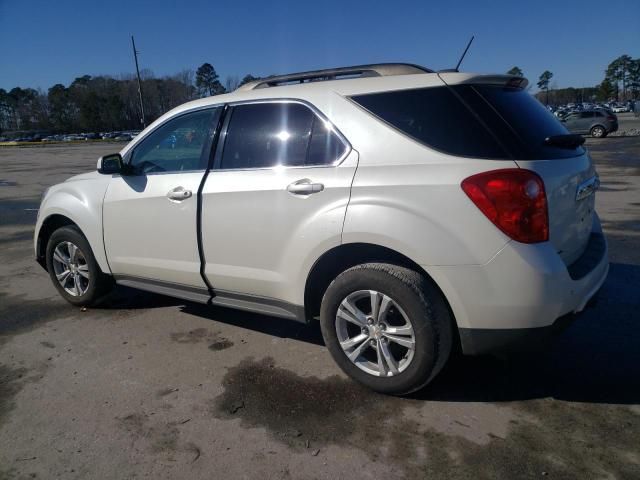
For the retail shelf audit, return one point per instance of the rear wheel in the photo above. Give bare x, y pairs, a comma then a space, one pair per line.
387, 327
73, 268
598, 132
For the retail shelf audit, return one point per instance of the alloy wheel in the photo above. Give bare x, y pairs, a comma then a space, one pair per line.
375, 333
71, 268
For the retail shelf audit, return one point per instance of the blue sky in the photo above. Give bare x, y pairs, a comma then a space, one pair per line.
48, 42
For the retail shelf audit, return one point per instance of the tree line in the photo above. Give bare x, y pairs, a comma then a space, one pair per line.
104, 103
621, 82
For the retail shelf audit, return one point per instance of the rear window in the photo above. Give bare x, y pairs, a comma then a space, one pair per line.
480, 121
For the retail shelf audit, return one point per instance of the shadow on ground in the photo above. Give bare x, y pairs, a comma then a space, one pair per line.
597, 359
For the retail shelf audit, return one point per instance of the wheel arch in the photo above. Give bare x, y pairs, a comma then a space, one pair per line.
342, 257
53, 222
48, 226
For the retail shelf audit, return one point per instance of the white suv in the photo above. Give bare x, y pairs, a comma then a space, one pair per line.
413, 212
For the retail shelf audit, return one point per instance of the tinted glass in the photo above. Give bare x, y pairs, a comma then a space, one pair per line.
435, 117
325, 146
263, 135
527, 118
482, 121
177, 145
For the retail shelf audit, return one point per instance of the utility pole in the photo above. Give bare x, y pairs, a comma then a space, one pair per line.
135, 57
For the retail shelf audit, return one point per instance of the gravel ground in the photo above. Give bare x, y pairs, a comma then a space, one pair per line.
628, 125
149, 386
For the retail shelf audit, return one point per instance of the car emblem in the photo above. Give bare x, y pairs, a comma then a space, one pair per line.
587, 187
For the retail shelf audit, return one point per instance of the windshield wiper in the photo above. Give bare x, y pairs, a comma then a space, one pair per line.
570, 140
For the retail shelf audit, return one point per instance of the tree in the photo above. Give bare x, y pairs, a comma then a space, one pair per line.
207, 81
5, 110
60, 108
543, 83
634, 78
605, 91
515, 71
27, 109
618, 73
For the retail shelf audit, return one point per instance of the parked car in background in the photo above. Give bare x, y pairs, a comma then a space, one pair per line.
73, 138
620, 109
597, 123
605, 109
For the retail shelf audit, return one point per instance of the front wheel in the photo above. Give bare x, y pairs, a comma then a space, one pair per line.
387, 327
73, 268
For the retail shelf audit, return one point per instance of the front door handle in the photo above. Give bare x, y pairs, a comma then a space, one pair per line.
178, 194
304, 187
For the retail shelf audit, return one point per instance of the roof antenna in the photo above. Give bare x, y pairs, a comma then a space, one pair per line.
464, 53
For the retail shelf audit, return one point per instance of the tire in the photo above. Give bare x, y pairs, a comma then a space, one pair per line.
59, 259
413, 300
598, 132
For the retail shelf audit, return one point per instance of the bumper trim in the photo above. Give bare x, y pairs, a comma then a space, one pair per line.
590, 258
479, 341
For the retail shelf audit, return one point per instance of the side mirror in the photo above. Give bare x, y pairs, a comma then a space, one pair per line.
109, 164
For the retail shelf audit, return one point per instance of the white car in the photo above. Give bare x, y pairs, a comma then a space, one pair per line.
620, 109
410, 211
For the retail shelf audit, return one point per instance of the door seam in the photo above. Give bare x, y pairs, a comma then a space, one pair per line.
199, 238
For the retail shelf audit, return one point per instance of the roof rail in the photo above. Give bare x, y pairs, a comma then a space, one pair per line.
373, 70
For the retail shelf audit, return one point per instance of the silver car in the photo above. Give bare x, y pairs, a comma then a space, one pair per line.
597, 123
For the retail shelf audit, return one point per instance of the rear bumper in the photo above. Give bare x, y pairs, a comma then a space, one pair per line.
524, 294
478, 341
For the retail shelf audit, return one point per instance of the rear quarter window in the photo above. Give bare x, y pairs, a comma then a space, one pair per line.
478, 121
434, 117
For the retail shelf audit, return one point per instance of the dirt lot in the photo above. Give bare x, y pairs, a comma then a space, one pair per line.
148, 386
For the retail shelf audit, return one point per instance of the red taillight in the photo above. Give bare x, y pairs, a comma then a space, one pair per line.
514, 200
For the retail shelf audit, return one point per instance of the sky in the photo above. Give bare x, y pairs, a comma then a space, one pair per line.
47, 42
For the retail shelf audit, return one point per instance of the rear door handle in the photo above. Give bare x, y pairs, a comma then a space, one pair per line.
304, 187
178, 194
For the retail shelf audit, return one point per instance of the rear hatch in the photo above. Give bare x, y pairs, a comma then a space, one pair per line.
494, 117
532, 137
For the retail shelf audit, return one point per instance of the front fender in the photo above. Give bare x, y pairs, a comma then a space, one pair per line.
80, 202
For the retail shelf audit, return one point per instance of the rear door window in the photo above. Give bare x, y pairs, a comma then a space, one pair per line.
325, 147
287, 134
